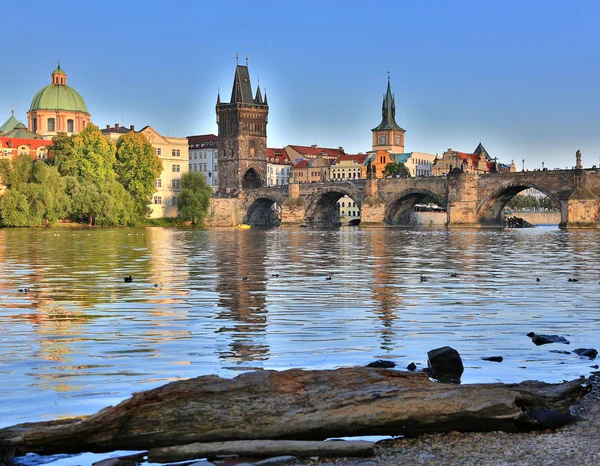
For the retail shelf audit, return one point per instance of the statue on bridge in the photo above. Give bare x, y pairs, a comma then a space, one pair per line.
578, 160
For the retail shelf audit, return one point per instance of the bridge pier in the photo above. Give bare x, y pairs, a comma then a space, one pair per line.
580, 211
462, 200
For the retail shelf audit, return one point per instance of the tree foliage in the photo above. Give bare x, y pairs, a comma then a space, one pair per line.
137, 168
394, 170
519, 202
94, 156
194, 199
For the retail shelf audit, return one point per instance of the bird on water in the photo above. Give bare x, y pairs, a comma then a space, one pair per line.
128, 279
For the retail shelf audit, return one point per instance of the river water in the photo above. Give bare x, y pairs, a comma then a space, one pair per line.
76, 338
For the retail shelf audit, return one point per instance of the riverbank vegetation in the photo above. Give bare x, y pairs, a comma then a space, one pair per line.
532, 202
90, 179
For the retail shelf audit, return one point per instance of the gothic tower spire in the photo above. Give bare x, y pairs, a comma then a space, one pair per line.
388, 135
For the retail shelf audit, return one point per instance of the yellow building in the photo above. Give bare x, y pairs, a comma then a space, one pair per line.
174, 155
311, 171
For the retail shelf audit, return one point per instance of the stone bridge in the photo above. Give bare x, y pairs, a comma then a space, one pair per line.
469, 199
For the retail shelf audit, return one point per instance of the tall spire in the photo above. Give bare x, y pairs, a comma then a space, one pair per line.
265, 101
218, 95
258, 99
388, 110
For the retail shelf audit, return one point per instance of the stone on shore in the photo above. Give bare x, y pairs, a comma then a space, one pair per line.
445, 365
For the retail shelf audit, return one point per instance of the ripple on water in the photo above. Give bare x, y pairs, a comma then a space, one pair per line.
82, 339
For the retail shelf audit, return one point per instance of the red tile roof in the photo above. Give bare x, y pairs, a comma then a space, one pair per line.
313, 151
278, 156
302, 164
358, 158
202, 140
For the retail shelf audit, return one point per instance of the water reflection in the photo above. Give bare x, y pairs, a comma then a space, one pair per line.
223, 301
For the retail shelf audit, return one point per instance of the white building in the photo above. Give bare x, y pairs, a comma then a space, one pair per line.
203, 157
279, 167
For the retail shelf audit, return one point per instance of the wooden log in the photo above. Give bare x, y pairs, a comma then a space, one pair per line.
261, 448
294, 404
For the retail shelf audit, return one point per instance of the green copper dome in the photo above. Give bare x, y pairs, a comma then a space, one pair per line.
58, 96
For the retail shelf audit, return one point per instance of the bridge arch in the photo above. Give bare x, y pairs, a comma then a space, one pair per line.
398, 211
251, 179
323, 208
263, 211
490, 209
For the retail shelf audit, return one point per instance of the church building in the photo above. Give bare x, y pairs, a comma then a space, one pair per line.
57, 108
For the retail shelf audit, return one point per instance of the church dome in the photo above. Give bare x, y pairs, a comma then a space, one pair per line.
58, 96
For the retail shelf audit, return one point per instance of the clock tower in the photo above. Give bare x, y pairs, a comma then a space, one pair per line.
388, 135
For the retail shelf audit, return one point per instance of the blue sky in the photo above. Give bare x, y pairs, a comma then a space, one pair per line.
522, 77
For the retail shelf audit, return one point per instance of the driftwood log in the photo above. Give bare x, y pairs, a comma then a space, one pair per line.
297, 405
259, 448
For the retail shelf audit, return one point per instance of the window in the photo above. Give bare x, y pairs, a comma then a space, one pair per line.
176, 168
176, 184
69, 126
174, 200
158, 199
175, 152
157, 151
158, 183
51, 124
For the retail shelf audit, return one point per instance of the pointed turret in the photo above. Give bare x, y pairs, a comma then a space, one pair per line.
388, 111
265, 102
258, 98
481, 150
218, 95
242, 90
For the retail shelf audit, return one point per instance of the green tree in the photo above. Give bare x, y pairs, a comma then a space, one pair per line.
137, 168
49, 192
391, 169
62, 155
94, 156
14, 209
116, 205
194, 199
403, 170
396, 169
17, 172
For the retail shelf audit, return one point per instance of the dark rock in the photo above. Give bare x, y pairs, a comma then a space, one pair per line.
494, 358
546, 339
586, 352
445, 364
412, 366
116, 462
548, 419
382, 364
560, 351
595, 366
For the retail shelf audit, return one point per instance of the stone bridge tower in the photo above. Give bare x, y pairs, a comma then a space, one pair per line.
242, 145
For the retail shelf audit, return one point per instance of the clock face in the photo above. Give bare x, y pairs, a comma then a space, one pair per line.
381, 139
397, 139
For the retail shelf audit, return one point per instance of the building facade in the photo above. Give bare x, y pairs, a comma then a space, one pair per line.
479, 161
347, 167
242, 144
279, 167
57, 108
203, 155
